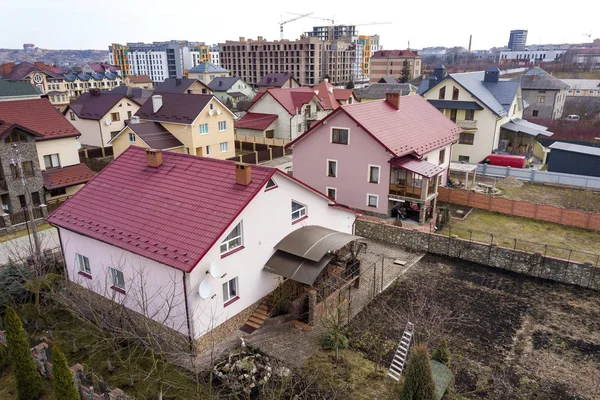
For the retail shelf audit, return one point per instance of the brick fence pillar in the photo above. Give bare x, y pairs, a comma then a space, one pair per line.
312, 306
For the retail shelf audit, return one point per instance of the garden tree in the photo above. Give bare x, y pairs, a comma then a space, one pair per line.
334, 320
29, 381
64, 384
229, 103
12, 279
243, 105
442, 352
418, 382
405, 75
350, 84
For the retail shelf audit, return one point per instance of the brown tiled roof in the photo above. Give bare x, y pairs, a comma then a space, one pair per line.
275, 79
72, 175
177, 108
395, 53
176, 85
255, 121
155, 135
39, 115
95, 105
140, 79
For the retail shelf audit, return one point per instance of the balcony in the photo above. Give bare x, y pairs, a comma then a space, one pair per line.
468, 125
311, 116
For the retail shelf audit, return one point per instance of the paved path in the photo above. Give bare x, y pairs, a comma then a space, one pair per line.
20, 247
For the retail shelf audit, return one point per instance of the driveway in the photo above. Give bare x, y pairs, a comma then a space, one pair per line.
19, 248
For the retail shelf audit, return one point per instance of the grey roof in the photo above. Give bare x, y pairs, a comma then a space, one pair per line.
378, 90
576, 148
537, 79
208, 67
275, 79
496, 96
175, 85
155, 135
18, 88
455, 104
222, 84
388, 79
522, 126
582, 84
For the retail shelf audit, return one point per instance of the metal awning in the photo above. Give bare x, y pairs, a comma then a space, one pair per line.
419, 167
522, 126
455, 105
304, 253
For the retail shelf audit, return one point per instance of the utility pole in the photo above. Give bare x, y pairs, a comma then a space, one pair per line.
29, 204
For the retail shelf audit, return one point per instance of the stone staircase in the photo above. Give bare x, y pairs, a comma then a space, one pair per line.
257, 319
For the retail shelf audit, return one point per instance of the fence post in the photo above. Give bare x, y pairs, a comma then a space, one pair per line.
270, 153
484, 169
382, 267
507, 171
532, 178
255, 155
374, 280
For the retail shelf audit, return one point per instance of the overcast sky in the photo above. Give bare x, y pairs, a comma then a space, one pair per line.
77, 24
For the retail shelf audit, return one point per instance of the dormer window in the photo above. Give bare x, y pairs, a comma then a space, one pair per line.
271, 185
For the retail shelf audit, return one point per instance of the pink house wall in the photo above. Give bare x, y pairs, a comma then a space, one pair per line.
352, 181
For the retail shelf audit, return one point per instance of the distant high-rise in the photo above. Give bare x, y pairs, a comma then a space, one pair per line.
333, 32
517, 40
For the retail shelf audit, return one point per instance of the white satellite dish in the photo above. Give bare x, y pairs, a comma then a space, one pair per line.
78, 144
215, 270
107, 122
204, 289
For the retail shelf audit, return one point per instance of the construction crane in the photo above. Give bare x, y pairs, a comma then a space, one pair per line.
298, 16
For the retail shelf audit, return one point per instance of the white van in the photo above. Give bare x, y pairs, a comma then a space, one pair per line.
573, 117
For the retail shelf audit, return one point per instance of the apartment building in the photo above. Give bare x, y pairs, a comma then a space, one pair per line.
366, 47
309, 59
390, 63
334, 32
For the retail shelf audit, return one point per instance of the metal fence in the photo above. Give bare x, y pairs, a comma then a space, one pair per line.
537, 176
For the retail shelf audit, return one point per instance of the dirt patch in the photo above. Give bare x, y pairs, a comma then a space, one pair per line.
456, 211
509, 182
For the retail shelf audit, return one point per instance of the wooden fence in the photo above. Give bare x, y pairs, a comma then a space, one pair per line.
256, 153
261, 140
542, 212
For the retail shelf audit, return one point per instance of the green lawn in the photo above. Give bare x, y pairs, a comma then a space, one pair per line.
531, 235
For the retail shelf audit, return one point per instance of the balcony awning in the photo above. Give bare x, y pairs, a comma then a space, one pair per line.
304, 253
419, 167
522, 126
455, 105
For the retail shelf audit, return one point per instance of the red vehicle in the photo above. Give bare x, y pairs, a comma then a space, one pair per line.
505, 160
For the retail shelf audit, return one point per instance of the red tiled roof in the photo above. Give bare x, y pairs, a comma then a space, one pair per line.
57, 178
395, 53
343, 94
140, 79
289, 98
417, 127
326, 94
256, 121
39, 115
417, 166
173, 214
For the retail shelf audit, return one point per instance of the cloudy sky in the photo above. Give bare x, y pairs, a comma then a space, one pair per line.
76, 24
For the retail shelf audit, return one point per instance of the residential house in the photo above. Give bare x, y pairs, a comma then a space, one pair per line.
386, 63
490, 112
138, 81
378, 156
332, 97
56, 145
570, 158
378, 91
49, 80
207, 72
231, 89
545, 94
182, 85
583, 87
281, 113
187, 237
388, 79
18, 90
278, 81
200, 123
100, 115
80, 83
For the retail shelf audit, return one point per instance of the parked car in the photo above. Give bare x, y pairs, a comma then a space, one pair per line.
573, 117
505, 160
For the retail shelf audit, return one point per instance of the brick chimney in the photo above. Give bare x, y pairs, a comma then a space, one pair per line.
243, 174
154, 157
393, 99
156, 103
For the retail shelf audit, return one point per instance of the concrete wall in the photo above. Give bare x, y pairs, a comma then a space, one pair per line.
531, 264
551, 108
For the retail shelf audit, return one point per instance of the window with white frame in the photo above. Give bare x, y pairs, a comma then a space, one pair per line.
131, 137
224, 146
51, 161
117, 278
84, 264
373, 174
340, 136
233, 240
207, 151
230, 290
332, 193
203, 129
222, 126
298, 210
372, 200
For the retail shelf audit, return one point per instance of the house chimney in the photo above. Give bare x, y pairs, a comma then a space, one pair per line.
393, 99
439, 71
154, 158
156, 103
243, 174
134, 119
491, 75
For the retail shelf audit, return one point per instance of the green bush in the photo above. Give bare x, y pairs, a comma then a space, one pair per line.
64, 384
442, 352
329, 341
12, 282
418, 382
4, 360
29, 381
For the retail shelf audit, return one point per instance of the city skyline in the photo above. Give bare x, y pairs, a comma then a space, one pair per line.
135, 21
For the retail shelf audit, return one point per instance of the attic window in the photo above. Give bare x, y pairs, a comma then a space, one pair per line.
271, 185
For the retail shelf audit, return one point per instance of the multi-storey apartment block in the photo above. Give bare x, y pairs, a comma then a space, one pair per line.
390, 63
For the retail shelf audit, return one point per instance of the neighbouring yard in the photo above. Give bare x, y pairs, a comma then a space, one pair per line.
23, 232
511, 336
8, 387
531, 234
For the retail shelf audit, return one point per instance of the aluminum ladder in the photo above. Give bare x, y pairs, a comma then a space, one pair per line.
397, 365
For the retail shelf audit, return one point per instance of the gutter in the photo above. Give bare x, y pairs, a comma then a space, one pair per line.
187, 313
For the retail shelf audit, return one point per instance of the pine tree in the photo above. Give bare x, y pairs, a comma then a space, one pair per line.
405, 73
29, 381
350, 84
64, 384
418, 384
442, 352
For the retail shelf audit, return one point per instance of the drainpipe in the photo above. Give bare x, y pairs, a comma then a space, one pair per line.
187, 313
494, 138
101, 138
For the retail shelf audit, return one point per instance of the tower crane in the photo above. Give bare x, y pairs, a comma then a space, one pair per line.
298, 16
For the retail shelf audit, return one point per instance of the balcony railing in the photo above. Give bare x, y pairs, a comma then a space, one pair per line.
311, 116
467, 124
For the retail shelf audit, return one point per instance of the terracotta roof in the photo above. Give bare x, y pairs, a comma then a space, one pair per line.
420, 167
173, 214
416, 128
155, 135
176, 85
6, 127
140, 79
57, 178
326, 94
38, 115
176, 108
395, 53
275, 79
95, 105
256, 121
21, 70
343, 94
289, 98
